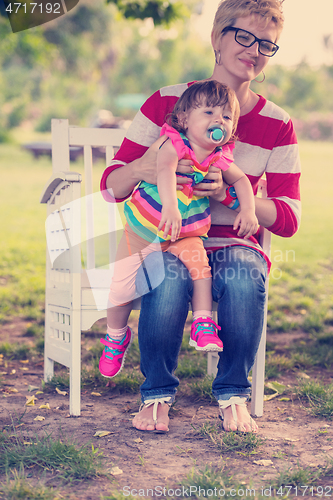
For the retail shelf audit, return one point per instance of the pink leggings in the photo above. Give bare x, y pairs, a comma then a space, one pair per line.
131, 252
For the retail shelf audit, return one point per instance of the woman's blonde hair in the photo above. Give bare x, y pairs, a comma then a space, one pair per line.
209, 93
229, 11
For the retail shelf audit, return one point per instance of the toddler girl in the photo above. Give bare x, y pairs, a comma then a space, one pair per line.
201, 129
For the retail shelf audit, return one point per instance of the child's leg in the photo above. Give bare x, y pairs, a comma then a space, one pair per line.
131, 252
117, 341
204, 330
117, 316
202, 296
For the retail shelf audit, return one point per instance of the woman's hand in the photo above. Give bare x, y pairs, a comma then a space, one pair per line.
215, 189
184, 167
145, 168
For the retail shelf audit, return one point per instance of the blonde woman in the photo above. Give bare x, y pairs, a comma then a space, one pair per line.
244, 38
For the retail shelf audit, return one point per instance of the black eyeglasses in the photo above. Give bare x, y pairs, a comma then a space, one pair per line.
247, 39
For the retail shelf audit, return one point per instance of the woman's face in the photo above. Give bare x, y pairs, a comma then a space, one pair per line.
245, 63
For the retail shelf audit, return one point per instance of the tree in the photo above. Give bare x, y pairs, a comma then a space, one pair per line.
161, 11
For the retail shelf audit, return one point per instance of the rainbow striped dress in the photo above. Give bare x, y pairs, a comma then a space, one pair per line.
143, 210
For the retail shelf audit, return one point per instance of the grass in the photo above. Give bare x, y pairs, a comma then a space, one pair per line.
297, 476
192, 366
313, 241
301, 281
22, 264
19, 488
23, 245
319, 396
276, 364
216, 483
245, 443
128, 381
65, 459
219, 482
15, 351
202, 389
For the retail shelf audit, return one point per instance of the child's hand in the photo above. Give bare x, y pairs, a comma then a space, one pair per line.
172, 218
247, 222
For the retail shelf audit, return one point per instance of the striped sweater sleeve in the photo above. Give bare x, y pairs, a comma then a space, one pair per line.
268, 145
283, 174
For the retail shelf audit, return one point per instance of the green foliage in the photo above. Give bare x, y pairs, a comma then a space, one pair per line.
160, 11
300, 90
79, 63
306, 93
160, 56
82, 62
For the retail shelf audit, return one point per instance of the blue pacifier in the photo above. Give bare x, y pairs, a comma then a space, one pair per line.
216, 133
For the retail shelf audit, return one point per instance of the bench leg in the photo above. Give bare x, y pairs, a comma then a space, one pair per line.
75, 392
48, 368
258, 375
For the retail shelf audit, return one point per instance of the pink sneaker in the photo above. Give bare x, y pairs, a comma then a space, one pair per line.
204, 336
114, 354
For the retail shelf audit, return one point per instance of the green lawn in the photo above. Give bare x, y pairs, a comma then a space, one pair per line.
314, 240
23, 246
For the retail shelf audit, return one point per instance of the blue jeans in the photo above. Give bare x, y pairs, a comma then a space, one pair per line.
239, 275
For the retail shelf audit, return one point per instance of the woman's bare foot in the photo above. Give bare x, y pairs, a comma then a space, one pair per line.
144, 421
245, 422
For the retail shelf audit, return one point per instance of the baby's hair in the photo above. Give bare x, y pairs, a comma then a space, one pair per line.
209, 93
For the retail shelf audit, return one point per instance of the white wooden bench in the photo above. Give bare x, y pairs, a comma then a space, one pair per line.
76, 295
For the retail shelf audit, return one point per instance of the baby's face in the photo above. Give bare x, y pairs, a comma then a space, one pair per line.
200, 121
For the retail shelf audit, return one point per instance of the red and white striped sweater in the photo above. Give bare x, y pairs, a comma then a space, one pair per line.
266, 144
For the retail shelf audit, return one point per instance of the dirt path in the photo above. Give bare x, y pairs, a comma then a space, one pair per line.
148, 460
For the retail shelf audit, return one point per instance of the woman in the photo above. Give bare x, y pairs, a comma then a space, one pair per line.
244, 36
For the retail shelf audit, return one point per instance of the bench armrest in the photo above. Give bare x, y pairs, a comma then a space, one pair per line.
54, 182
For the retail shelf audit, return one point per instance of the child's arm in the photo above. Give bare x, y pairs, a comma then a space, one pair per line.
167, 161
246, 219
